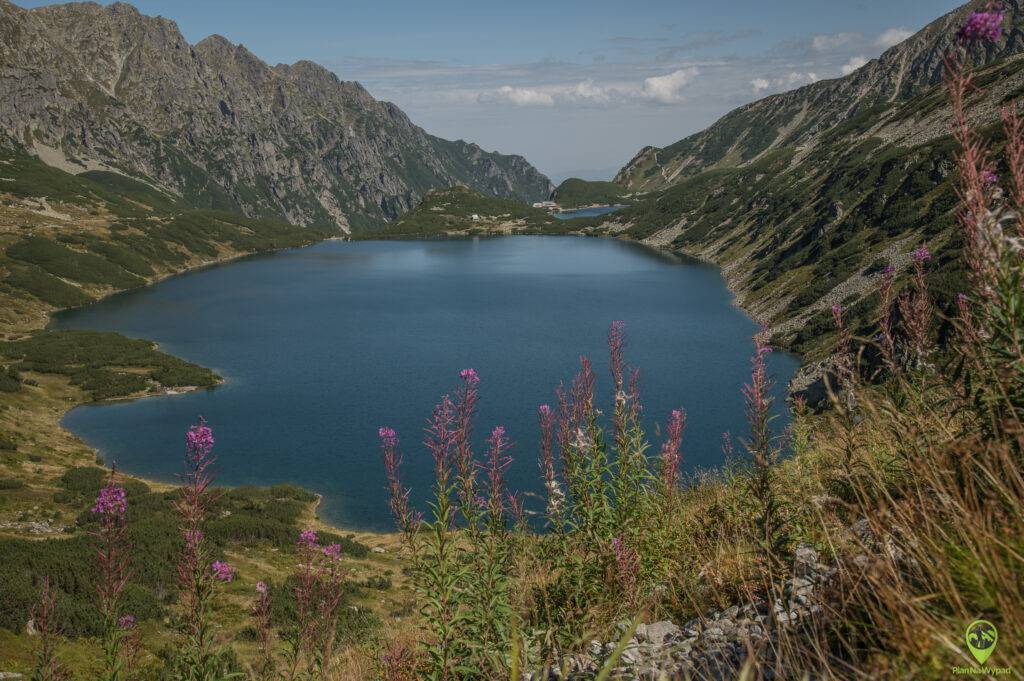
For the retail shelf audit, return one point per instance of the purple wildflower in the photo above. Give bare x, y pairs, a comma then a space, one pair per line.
126, 622
193, 537
670, 456
333, 551
627, 564
111, 502
261, 587
921, 255
223, 572
388, 436
469, 376
199, 440
986, 25
308, 538
889, 269
989, 177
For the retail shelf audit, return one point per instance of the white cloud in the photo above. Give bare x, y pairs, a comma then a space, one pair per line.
667, 89
892, 36
828, 42
787, 82
520, 96
587, 91
852, 65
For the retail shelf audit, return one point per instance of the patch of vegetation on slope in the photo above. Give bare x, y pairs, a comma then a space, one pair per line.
66, 240
106, 365
451, 212
243, 518
574, 193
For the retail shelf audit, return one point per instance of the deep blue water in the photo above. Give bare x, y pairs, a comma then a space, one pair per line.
320, 346
585, 212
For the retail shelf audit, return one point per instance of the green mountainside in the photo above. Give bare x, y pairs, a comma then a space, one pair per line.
574, 193
66, 240
804, 198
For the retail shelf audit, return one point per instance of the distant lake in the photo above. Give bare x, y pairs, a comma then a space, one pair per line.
586, 212
320, 346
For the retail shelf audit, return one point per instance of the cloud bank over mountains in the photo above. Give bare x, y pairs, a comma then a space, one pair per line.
624, 92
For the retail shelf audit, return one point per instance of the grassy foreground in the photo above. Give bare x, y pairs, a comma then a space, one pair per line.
66, 240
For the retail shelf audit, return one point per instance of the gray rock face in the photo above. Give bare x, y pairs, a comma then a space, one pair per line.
88, 87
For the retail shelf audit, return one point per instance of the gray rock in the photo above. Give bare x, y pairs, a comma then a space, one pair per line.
659, 632
92, 87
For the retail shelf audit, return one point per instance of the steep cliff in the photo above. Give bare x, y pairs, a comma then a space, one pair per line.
88, 87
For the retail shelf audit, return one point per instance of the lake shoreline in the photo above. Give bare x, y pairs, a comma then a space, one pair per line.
240, 256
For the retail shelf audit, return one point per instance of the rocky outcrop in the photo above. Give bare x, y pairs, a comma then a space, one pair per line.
715, 646
86, 87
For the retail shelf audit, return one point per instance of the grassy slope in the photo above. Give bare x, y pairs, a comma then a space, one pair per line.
450, 212
574, 192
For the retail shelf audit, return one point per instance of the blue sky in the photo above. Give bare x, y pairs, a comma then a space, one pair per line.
575, 86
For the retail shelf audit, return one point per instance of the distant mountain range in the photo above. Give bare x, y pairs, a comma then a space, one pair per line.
87, 87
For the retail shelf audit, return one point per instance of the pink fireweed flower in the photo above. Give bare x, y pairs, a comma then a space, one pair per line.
921, 254
758, 400
466, 397
441, 436
547, 459
199, 442
307, 538
223, 572
987, 25
627, 565
388, 436
126, 622
497, 461
112, 501
727, 447
261, 587
670, 455
193, 537
333, 551
398, 495
634, 394
616, 343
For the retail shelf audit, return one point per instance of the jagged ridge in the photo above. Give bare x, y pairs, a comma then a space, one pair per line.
90, 87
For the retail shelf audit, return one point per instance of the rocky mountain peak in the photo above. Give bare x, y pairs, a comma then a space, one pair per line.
85, 86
